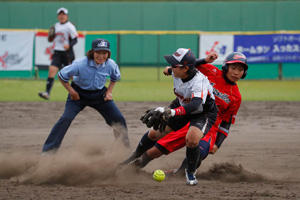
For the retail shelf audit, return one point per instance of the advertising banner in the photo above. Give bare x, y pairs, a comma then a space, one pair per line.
222, 44
273, 48
16, 50
44, 49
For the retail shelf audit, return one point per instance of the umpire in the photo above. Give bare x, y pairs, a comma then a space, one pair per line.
88, 89
64, 36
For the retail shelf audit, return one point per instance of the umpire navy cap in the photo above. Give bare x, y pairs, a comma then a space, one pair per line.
182, 56
100, 44
64, 10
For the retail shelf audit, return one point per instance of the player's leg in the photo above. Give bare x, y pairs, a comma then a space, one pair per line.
148, 140
51, 75
147, 156
199, 126
70, 56
192, 153
145, 143
72, 108
168, 144
204, 147
114, 118
53, 69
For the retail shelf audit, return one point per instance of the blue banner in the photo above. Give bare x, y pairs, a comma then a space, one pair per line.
275, 48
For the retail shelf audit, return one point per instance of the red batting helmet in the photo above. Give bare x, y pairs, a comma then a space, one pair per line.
235, 57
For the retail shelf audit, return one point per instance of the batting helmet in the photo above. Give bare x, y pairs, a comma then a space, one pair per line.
235, 57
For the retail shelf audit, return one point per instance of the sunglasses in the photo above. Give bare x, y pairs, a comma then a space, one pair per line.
178, 65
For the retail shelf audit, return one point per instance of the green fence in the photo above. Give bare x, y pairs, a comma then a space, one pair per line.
145, 50
148, 49
205, 16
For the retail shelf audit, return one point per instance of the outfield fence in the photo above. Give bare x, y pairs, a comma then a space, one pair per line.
147, 48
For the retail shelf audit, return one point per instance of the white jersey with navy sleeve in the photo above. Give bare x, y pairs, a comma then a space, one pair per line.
198, 86
62, 34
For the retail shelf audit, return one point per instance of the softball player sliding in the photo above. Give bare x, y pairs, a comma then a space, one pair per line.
64, 36
228, 100
194, 103
88, 89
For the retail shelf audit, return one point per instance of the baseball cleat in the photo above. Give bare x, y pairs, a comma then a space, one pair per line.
44, 95
191, 178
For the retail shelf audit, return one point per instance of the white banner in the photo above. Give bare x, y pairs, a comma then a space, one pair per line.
44, 49
16, 50
222, 44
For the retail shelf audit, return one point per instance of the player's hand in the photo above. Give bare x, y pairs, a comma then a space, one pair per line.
166, 71
211, 57
66, 46
74, 95
108, 96
167, 114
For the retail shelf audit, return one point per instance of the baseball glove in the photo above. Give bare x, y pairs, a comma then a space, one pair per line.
51, 34
152, 118
162, 124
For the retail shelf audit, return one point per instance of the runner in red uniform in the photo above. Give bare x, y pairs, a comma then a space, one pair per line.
228, 100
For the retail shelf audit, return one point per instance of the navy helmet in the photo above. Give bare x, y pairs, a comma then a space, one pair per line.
101, 44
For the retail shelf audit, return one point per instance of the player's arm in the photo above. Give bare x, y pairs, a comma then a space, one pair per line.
226, 123
72, 42
209, 59
108, 95
115, 76
64, 75
74, 95
72, 37
222, 133
194, 107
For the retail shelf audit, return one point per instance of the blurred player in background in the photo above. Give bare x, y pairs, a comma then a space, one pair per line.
228, 100
64, 36
88, 89
194, 103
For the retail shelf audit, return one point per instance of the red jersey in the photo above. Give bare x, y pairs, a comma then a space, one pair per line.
227, 96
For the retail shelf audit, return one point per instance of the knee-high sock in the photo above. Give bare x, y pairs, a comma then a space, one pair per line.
144, 144
49, 84
192, 156
143, 161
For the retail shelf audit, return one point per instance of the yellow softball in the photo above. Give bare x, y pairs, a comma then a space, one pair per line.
159, 175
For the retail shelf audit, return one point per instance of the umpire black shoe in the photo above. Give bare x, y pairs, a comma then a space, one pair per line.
44, 95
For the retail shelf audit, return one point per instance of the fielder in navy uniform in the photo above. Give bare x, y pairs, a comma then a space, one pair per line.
88, 89
64, 36
194, 103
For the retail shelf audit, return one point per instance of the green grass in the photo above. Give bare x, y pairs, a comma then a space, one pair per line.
288, 90
144, 84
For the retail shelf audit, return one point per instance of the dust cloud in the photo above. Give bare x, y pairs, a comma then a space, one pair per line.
231, 172
88, 162
91, 163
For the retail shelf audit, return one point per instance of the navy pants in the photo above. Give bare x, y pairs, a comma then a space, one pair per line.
107, 109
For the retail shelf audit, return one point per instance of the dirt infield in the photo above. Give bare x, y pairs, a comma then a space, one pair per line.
259, 160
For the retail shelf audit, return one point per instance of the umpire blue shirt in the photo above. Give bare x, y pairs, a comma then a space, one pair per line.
88, 75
